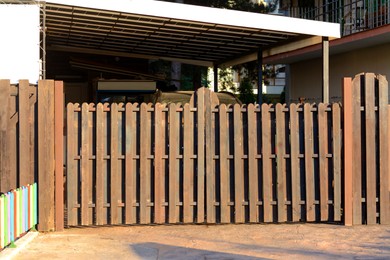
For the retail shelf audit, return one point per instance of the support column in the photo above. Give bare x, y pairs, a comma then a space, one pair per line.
215, 78
325, 69
260, 76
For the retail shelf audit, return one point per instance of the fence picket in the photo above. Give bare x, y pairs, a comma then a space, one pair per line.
336, 141
99, 165
114, 173
267, 163
224, 164
25, 177
370, 144
295, 165
357, 156
188, 173
173, 164
4, 124
323, 161
384, 150
238, 166
281, 163
309, 168
85, 170
252, 164
159, 212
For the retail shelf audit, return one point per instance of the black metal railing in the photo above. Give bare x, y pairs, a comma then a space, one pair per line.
354, 16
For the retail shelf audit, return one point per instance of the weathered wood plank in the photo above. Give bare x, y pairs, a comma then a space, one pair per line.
348, 150
224, 164
323, 161
384, 150
85, 170
4, 124
145, 169
71, 163
114, 173
46, 155
188, 175
295, 165
267, 163
309, 167
25, 176
337, 160
238, 166
159, 128
59, 152
173, 164
252, 164
356, 150
281, 163
99, 190
370, 143
198, 102
210, 168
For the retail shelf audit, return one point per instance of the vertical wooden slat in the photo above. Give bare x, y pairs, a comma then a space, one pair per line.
145, 171
114, 174
25, 176
337, 160
309, 168
266, 159
12, 143
295, 166
348, 150
281, 163
323, 161
99, 190
238, 166
159, 127
59, 153
210, 169
252, 164
224, 164
200, 153
130, 129
85, 170
356, 150
173, 164
46, 154
188, 175
370, 144
71, 165
384, 148
4, 124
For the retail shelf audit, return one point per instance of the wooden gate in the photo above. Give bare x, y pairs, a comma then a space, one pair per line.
203, 163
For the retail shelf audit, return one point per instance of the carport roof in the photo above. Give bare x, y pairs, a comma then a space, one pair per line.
162, 30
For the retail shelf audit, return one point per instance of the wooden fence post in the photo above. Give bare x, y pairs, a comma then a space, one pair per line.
348, 128
4, 119
59, 155
46, 155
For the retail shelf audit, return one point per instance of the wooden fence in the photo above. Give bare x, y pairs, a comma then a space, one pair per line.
366, 154
203, 163
27, 142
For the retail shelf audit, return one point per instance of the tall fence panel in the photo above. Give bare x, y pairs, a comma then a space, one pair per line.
203, 163
368, 143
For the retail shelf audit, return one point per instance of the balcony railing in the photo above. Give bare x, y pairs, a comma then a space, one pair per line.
353, 16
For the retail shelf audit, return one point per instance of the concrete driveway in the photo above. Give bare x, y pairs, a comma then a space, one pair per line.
276, 241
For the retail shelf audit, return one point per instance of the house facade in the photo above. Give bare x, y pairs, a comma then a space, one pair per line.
364, 46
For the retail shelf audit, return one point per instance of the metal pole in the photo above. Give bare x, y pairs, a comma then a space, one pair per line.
325, 70
215, 78
260, 76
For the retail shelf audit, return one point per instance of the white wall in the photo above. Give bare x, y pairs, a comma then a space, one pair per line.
306, 76
19, 42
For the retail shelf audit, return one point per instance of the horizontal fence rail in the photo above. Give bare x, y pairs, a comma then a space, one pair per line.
202, 163
18, 213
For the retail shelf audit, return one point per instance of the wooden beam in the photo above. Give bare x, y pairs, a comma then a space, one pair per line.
260, 76
62, 48
325, 70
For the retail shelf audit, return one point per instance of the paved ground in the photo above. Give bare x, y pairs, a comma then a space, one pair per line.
298, 241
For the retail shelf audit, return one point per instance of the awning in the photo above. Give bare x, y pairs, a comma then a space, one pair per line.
170, 31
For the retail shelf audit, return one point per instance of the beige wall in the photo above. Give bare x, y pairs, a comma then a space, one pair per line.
306, 76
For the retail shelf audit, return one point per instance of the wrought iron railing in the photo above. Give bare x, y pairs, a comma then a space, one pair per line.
353, 16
